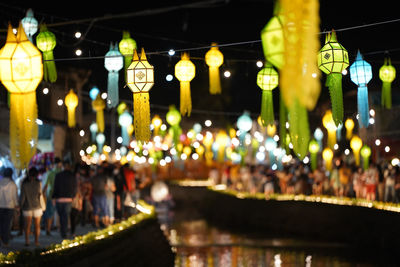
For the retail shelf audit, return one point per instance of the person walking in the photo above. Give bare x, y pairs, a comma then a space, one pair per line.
8, 204
65, 189
31, 190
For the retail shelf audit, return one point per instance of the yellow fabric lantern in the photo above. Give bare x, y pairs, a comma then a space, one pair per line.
71, 101
185, 72
327, 155
21, 71
140, 75
349, 124
156, 121
99, 105
214, 59
330, 126
356, 144
222, 140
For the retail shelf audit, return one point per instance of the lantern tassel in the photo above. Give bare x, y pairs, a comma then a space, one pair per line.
365, 163
334, 82
141, 114
357, 158
299, 131
267, 108
386, 98
125, 136
215, 81
49, 67
313, 157
71, 118
100, 120
363, 107
112, 89
282, 124
186, 100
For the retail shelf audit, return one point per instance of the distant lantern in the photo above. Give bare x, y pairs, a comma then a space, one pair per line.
46, 42
125, 120
244, 124
156, 121
318, 135
271, 145
94, 92
356, 144
267, 80
333, 59
93, 130
173, 118
140, 75
314, 148
21, 71
349, 124
387, 73
222, 140
126, 46
185, 71
330, 126
214, 59
361, 74
100, 139
365, 154
30, 24
327, 155
98, 106
113, 62
71, 102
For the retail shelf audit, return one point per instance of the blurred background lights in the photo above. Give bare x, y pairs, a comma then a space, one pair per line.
78, 35
60, 102
171, 52
78, 52
208, 123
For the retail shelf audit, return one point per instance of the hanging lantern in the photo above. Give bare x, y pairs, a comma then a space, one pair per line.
94, 92
271, 130
173, 118
98, 106
214, 59
121, 108
270, 146
318, 135
113, 62
339, 132
361, 74
356, 144
244, 124
283, 118
365, 154
100, 139
93, 130
126, 46
124, 120
21, 71
327, 155
46, 41
208, 141
349, 124
140, 80
387, 73
267, 80
313, 147
185, 72
332, 60
30, 24
156, 121
330, 126
71, 102
222, 140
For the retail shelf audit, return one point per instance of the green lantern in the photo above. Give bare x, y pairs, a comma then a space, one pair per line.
173, 117
126, 46
267, 80
46, 41
332, 60
365, 154
387, 73
313, 147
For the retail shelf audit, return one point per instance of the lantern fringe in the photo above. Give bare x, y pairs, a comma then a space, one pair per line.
363, 107
215, 81
331, 139
357, 158
100, 120
334, 83
313, 157
386, 97
23, 128
186, 100
112, 89
141, 115
71, 118
282, 124
49, 67
267, 108
365, 163
298, 129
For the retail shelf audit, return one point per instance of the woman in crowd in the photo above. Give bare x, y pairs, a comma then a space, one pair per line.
8, 204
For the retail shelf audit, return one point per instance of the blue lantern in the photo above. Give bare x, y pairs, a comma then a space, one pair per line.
244, 124
125, 119
270, 146
197, 127
318, 134
93, 130
94, 92
339, 132
113, 62
100, 139
361, 74
30, 24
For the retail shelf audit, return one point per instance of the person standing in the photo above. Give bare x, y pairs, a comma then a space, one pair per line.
8, 204
99, 199
65, 188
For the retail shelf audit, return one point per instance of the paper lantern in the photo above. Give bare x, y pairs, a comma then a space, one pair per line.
267, 80
71, 102
156, 121
356, 144
332, 60
222, 140
30, 24
140, 76
93, 130
94, 92
318, 135
365, 154
283, 118
387, 73
124, 120
330, 126
349, 124
314, 148
214, 59
244, 124
327, 155
361, 74
126, 46
98, 106
173, 118
271, 130
270, 146
100, 139
21, 71
46, 41
113, 62
185, 72
197, 127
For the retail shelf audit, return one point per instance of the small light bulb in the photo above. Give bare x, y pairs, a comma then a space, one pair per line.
346, 151
387, 148
169, 77
78, 35
227, 74
171, 52
60, 102
78, 52
45, 91
104, 95
344, 72
259, 63
119, 140
82, 133
208, 123
377, 142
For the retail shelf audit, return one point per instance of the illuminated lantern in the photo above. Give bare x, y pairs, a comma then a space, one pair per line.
197, 127
94, 92
121, 108
173, 118
270, 146
222, 140
100, 139
71, 102
313, 147
156, 121
187, 150
200, 151
244, 124
318, 135
126, 46
98, 106
349, 124
208, 141
332, 60
361, 74
124, 120
356, 144
267, 80
214, 59
30, 24
93, 130
185, 72
330, 126
387, 73
327, 155
140, 76
113, 62
46, 41
365, 154
339, 132
271, 130
21, 71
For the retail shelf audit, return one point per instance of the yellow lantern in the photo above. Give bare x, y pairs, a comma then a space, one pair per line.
207, 141
140, 75
356, 144
200, 151
330, 126
71, 101
185, 72
187, 150
156, 121
214, 59
21, 71
99, 105
349, 124
365, 154
222, 140
327, 155
271, 130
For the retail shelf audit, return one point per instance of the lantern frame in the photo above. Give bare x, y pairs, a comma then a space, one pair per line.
140, 74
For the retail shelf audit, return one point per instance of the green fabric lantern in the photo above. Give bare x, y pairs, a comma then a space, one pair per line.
267, 80
46, 41
298, 129
387, 73
313, 147
126, 46
332, 60
283, 116
365, 154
